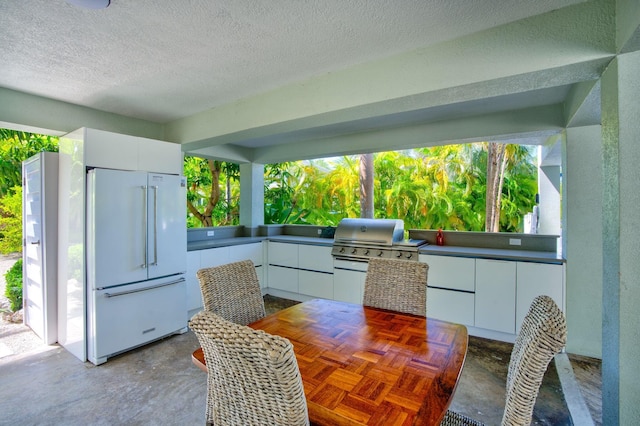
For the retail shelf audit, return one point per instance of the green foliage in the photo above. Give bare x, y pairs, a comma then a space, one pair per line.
11, 221
430, 188
15, 147
13, 290
220, 201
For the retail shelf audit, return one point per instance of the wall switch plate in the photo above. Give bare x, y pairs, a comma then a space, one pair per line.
210, 233
515, 242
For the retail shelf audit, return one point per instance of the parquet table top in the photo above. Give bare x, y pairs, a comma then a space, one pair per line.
363, 365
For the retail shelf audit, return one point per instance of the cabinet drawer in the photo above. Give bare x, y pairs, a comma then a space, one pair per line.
283, 254
456, 273
251, 251
452, 306
315, 258
283, 278
316, 284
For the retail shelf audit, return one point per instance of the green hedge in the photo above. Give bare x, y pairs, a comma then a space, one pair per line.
13, 291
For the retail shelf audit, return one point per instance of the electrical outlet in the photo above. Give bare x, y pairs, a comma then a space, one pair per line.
319, 231
515, 242
210, 233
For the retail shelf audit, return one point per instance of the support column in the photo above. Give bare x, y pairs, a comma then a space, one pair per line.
252, 196
621, 240
582, 238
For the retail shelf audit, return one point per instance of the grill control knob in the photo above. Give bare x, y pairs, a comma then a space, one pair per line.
341, 249
380, 253
366, 252
409, 255
399, 254
354, 251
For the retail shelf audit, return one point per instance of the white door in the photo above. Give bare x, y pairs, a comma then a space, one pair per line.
167, 227
33, 282
39, 251
116, 227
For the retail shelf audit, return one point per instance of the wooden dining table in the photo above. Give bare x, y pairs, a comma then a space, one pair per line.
363, 365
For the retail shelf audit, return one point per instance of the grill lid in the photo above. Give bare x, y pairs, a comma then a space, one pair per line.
384, 232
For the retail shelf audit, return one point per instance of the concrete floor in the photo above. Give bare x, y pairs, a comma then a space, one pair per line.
158, 384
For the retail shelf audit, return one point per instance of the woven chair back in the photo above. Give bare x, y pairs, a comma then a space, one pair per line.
397, 285
542, 336
253, 376
232, 291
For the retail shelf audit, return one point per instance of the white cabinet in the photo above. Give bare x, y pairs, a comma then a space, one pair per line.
214, 257
283, 278
283, 266
316, 284
452, 306
283, 254
194, 295
315, 258
451, 287
454, 273
495, 295
534, 279
253, 252
315, 277
348, 285
125, 152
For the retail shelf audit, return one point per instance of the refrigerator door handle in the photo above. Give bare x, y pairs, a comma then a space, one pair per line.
155, 225
146, 232
122, 293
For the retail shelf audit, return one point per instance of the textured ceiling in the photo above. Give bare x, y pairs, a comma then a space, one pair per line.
165, 60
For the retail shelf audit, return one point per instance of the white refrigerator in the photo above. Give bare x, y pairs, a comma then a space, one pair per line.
136, 260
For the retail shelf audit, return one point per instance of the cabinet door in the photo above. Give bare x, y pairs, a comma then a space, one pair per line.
316, 284
495, 295
348, 286
214, 257
315, 258
283, 254
251, 251
456, 273
534, 279
450, 305
194, 295
283, 278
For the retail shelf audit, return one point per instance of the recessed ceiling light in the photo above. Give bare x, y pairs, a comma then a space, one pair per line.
90, 4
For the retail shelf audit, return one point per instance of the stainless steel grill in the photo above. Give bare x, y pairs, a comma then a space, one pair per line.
362, 239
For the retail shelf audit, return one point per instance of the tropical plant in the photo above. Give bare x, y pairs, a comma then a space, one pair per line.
13, 290
15, 147
11, 221
207, 203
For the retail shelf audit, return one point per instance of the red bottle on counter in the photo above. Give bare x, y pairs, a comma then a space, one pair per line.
440, 237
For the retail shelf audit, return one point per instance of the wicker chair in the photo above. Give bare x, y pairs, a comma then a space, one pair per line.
252, 376
397, 285
232, 291
543, 335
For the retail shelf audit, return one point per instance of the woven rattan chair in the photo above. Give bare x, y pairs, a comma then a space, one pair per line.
253, 376
397, 285
232, 291
543, 335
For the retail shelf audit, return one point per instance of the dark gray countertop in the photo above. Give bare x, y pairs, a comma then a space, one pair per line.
491, 253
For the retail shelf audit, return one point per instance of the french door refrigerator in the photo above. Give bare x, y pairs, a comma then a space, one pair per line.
136, 259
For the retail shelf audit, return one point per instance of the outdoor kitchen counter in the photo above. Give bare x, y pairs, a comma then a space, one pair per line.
493, 253
223, 242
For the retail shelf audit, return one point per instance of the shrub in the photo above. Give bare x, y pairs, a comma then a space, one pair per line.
13, 291
11, 221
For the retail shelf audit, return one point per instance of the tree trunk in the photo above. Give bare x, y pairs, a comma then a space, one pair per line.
366, 186
214, 196
495, 176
